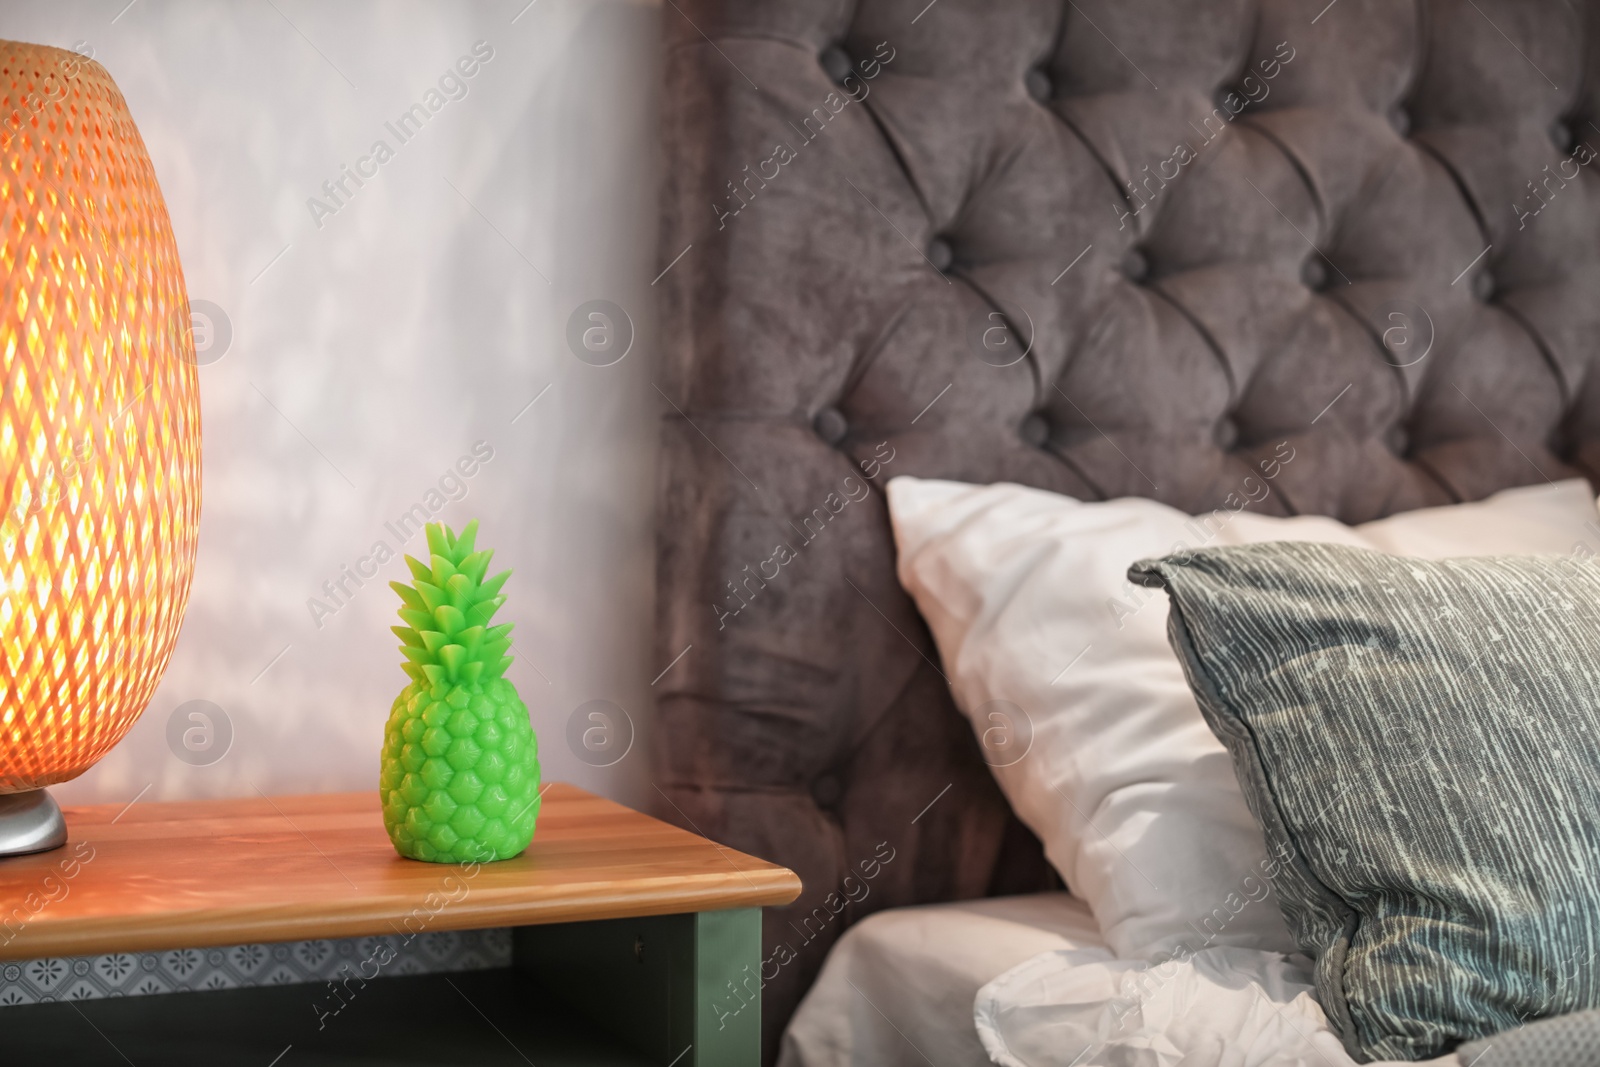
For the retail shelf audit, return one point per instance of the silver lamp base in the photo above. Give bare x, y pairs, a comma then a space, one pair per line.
30, 822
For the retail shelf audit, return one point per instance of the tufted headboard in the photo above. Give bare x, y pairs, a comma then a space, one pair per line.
1104, 247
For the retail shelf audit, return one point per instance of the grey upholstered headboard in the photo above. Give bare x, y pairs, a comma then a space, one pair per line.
1368, 228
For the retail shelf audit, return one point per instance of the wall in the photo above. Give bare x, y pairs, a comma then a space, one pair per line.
378, 338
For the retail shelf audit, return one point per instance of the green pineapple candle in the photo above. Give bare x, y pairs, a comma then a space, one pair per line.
460, 777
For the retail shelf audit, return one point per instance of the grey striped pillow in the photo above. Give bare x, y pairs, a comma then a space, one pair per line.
1422, 741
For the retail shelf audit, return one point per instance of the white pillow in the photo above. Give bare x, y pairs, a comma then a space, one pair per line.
1097, 742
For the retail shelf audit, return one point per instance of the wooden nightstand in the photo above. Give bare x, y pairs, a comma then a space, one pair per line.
634, 942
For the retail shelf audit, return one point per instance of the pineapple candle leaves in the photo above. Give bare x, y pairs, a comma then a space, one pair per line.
460, 770
447, 637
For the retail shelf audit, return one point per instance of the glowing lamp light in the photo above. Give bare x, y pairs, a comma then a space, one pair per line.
99, 431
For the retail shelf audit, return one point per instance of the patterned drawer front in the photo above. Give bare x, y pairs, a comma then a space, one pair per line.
133, 974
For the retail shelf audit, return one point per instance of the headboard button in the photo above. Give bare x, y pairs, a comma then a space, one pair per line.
1314, 274
827, 790
1397, 439
1035, 430
1038, 85
940, 254
1135, 267
835, 62
1400, 120
1561, 136
1483, 286
1227, 434
831, 425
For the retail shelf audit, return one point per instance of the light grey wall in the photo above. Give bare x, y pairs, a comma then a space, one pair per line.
374, 345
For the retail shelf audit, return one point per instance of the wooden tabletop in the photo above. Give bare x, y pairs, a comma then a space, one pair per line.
223, 872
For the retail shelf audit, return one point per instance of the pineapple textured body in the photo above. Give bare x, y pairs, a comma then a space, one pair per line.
459, 777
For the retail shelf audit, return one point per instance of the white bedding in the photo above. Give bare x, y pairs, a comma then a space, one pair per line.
1029, 982
1222, 1007
910, 975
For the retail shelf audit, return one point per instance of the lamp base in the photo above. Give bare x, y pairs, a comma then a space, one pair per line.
30, 822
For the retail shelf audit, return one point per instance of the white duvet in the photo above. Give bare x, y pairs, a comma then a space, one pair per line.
902, 988
1222, 1007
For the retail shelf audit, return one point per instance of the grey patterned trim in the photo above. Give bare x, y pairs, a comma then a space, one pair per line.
136, 974
1568, 1041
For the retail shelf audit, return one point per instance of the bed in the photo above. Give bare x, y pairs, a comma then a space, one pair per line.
899, 990
961, 240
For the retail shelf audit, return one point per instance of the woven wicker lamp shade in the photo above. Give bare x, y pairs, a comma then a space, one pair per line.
99, 423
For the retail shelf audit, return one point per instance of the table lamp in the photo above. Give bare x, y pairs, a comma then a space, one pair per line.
99, 431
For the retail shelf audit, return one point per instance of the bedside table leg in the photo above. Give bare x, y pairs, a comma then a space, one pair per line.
683, 990
727, 1010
